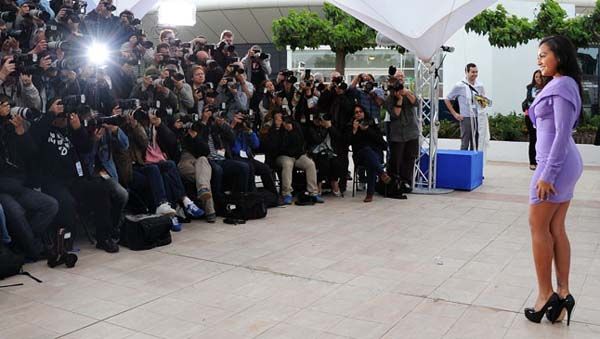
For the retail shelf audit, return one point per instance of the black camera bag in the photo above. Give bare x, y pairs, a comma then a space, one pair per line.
10, 262
243, 206
145, 232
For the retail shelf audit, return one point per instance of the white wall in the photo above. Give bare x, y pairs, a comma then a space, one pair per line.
504, 72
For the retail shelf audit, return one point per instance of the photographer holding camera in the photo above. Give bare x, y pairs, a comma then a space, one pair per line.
100, 163
243, 149
322, 141
284, 147
234, 91
29, 212
61, 139
403, 135
18, 86
257, 65
367, 93
367, 149
224, 52
102, 25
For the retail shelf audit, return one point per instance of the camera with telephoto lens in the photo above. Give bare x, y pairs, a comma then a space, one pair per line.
26, 113
8, 16
109, 7
38, 14
392, 70
127, 104
97, 122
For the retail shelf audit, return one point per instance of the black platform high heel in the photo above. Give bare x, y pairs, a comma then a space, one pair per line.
551, 305
568, 304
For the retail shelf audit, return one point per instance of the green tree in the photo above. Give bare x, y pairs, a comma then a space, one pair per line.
504, 30
341, 32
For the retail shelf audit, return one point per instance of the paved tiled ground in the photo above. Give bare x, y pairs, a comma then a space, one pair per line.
452, 266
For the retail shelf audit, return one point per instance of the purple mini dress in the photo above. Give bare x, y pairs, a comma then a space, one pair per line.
554, 113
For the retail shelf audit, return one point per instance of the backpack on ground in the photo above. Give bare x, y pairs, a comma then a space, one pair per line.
11, 264
146, 231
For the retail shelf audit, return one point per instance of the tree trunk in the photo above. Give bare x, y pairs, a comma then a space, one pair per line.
340, 61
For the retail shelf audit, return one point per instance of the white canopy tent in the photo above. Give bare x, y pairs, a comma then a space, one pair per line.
421, 27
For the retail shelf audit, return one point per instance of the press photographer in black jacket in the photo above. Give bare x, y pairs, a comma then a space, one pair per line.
367, 147
322, 140
28, 212
61, 138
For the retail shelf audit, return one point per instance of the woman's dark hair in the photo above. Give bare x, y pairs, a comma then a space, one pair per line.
4, 98
533, 84
566, 58
362, 108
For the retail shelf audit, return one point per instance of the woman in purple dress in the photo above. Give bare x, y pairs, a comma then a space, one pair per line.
555, 112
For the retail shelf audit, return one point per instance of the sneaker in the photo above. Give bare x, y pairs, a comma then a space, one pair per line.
211, 218
176, 225
337, 194
194, 211
318, 199
287, 199
385, 178
204, 194
165, 209
107, 245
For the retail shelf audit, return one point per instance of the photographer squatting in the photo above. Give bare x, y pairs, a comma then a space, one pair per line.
172, 128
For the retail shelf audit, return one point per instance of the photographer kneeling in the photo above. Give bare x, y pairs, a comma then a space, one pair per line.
367, 148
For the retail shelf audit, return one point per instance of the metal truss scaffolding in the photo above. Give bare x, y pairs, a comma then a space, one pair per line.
426, 90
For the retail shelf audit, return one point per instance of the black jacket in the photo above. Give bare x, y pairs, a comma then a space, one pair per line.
223, 136
529, 98
317, 134
195, 146
16, 151
281, 142
371, 137
59, 150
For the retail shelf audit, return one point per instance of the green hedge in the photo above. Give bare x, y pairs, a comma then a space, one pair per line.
512, 127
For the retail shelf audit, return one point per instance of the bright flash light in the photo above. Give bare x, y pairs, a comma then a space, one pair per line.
98, 54
177, 13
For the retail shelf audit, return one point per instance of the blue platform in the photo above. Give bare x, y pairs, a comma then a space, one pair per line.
460, 170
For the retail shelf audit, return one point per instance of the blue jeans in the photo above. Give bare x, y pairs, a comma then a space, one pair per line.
161, 179
238, 171
372, 160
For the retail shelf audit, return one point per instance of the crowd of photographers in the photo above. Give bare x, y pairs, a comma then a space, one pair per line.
171, 126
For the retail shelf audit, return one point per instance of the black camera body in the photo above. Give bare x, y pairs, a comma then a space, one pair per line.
74, 104
367, 86
397, 86
127, 104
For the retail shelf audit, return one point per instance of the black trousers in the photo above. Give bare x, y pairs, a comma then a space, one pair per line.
263, 171
328, 169
402, 159
28, 214
86, 196
532, 133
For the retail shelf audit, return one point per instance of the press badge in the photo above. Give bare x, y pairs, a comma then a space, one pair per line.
243, 154
221, 152
79, 168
